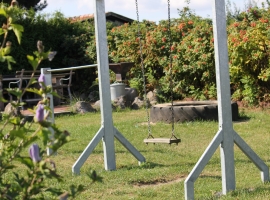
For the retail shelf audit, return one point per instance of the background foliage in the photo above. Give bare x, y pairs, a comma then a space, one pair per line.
193, 69
30, 4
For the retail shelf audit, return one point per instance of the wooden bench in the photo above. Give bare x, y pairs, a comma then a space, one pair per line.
59, 82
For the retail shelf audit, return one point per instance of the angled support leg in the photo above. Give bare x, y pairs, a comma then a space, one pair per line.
227, 137
129, 146
253, 157
194, 174
107, 132
88, 150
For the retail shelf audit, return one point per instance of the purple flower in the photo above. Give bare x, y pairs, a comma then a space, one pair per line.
51, 55
34, 153
40, 113
41, 80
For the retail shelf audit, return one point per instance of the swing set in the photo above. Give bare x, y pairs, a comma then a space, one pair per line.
225, 138
151, 138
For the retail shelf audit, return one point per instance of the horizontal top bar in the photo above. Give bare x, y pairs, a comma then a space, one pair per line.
72, 68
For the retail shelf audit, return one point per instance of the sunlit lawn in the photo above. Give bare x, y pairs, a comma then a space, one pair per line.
167, 166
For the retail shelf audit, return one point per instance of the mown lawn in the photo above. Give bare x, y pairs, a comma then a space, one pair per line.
167, 166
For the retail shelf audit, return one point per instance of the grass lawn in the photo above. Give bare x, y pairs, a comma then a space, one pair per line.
167, 166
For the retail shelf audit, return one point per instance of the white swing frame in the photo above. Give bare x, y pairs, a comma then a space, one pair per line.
225, 137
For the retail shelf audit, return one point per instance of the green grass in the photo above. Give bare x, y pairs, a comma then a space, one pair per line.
167, 166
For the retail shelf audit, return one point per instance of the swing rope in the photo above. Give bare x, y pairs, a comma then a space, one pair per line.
143, 73
170, 68
173, 138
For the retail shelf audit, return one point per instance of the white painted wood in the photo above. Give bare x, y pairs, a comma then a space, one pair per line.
161, 140
253, 157
108, 130
224, 96
104, 85
48, 81
129, 146
226, 136
87, 151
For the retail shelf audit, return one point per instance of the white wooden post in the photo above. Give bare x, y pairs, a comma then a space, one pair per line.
107, 131
48, 81
226, 136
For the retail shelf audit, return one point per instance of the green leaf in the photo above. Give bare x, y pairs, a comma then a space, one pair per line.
2, 99
18, 29
3, 12
27, 161
36, 53
45, 55
34, 90
32, 61
2, 59
45, 136
30, 58
55, 94
15, 120
32, 81
10, 60
18, 133
15, 91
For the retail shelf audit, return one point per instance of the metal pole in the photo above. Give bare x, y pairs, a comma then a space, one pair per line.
72, 68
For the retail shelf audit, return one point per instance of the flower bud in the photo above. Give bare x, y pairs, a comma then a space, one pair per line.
4, 26
41, 80
40, 113
14, 3
40, 46
51, 55
34, 153
8, 44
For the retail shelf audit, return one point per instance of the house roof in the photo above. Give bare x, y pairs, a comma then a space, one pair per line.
110, 16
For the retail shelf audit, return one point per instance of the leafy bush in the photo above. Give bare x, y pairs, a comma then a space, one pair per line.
16, 135
193, 69
70, 42
249, 57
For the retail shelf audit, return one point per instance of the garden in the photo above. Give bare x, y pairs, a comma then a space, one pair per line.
28, 172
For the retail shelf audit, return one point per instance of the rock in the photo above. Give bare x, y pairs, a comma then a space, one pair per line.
131, 94
137, 103
130, 100
83, 107
120, 102
97, 105
151, 96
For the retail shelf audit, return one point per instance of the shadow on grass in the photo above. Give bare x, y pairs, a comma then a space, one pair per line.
210, 176
237, 194
146, 165
243, 117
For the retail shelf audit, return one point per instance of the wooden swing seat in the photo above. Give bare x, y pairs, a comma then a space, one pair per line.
162, 140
